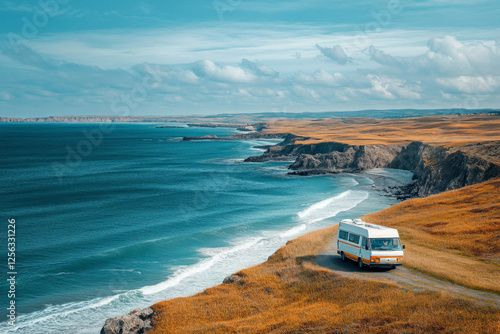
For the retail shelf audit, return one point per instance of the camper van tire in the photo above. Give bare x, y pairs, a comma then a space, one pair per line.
342, 256
360, 263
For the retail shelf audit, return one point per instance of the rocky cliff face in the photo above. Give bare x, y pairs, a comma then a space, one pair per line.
349, 159
436, 169
136, 322
287, 150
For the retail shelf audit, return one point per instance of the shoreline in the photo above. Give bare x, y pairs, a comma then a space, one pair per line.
290, 228
303, 261
290, 143
419, 164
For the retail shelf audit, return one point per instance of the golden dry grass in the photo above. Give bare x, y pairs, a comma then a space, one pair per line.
440, 130
453, 235
289, 294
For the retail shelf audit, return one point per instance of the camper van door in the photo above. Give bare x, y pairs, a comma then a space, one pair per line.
365, 250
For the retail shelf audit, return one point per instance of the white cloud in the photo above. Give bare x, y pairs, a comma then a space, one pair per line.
382, 58
258, 68
305, 92
320, 78
470, 84
336, 54
207, 68
446, 71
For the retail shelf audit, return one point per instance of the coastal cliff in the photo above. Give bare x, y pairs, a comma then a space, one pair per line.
436, 168
441, 164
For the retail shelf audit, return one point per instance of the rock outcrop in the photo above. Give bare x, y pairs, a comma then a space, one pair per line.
288, 150
436, 169
352, 160
239, 136
207, 137
234, 279
136, 322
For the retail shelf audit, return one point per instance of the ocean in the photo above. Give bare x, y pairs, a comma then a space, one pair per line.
116, 217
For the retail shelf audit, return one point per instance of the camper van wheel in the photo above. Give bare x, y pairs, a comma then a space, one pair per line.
360, 263
342, 256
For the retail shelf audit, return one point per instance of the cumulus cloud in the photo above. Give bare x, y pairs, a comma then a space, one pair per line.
382, 58
336, 54
258, 68
449, 66
470, 84
447, 70
321, 78
445, 56
209, 69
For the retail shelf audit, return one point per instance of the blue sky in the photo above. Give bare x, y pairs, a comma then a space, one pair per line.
63, 57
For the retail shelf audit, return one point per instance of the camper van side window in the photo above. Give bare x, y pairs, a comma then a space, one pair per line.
343, 235
354, 238
363, 243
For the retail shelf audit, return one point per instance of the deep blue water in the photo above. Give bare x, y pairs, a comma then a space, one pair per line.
138, 216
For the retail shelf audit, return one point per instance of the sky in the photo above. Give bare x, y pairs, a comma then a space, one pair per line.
66, 57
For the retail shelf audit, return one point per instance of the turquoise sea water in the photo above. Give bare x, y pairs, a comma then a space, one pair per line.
106, 225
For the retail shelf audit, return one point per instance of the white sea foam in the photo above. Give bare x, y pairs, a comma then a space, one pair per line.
330, 207
187, 280
201, 266
293, 231
348, 181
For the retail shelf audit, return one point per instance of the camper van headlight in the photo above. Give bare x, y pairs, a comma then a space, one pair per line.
375, 259
400, 259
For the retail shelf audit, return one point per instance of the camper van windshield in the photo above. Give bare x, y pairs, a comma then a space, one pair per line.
386, 244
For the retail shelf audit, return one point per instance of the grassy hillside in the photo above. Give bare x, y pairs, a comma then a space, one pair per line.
437, 130
453, 235
290, 294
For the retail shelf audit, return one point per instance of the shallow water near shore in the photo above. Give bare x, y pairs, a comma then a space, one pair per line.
145, 216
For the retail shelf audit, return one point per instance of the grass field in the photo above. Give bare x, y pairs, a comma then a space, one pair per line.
290, 294
440, 130
453, 235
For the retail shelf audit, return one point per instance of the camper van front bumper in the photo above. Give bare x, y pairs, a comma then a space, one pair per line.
385, 261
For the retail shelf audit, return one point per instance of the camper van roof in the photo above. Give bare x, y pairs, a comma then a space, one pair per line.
373, 230
359, 222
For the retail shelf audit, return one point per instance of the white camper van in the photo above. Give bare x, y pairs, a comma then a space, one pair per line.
369, 244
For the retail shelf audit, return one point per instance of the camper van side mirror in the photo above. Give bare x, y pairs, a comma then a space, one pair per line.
403, 246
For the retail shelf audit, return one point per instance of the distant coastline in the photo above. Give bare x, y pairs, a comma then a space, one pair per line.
246, 118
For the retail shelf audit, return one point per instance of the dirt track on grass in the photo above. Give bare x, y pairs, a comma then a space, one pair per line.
403, 277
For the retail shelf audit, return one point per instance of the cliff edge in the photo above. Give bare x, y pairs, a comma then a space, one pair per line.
436, 168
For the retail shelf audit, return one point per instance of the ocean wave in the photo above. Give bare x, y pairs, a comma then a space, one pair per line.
220, 262
201, 266
348, 181
293, 231
330, 207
